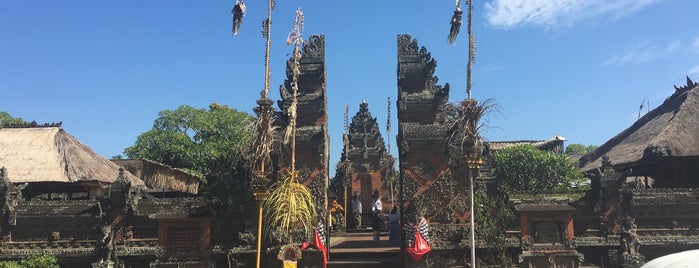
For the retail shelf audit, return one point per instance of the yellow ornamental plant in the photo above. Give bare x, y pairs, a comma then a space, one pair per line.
289, 208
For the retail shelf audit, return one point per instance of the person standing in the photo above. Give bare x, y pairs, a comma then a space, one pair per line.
357, 210
394, 227
376, 208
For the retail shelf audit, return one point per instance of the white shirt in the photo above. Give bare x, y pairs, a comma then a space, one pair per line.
377, 206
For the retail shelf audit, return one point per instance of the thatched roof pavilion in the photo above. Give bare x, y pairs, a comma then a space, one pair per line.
663, 144
161, 176
51, 156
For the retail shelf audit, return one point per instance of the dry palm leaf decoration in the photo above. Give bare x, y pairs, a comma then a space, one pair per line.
238, 12
291, 207
455, 23
264, 138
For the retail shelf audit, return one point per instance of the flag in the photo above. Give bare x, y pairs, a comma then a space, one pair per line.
319, 241
320, 244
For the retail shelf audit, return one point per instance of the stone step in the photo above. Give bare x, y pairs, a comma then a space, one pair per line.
365, 263
365, 259
359, 250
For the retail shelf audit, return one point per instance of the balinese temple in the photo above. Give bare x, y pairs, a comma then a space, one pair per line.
60, 198
312, 141
369, 163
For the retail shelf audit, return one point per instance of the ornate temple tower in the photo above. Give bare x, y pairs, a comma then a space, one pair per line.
312, 140
425, 173
368, 159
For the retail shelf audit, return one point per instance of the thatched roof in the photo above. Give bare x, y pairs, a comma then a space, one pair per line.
49, 154
540, 144
668, 131
161, 176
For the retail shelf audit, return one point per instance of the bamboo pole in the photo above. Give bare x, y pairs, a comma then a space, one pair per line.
473, 216
260, 197
259, 233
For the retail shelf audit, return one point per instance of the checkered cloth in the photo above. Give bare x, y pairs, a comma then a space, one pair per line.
321, 232
422, 227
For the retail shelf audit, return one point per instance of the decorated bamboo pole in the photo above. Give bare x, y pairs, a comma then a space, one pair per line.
471, 123
264, 136
388, 133
345, 140
266, 30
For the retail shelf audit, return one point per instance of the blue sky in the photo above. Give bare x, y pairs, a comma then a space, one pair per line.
576, 68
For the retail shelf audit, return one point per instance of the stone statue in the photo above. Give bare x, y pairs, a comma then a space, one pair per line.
630, 243
106, 243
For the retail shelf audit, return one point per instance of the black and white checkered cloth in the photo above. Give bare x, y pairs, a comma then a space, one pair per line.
321, 231
422, 227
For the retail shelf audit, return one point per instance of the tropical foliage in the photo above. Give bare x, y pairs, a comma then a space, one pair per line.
6, 119
579, 149
525, 168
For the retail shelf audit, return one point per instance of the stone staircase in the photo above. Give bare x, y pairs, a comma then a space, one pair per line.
358, 250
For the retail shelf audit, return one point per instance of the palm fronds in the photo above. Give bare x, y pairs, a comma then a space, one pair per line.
468, 122
289, 207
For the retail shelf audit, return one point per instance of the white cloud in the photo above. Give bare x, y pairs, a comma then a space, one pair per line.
696, 44
489, 67
693, 71
552, 14
645, 52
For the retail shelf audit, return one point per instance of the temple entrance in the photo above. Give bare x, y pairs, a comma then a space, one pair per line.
366, 191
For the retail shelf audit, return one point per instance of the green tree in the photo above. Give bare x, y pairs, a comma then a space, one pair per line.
7, 119
524, 168
579, 149
209, 142
591, 148
32, 261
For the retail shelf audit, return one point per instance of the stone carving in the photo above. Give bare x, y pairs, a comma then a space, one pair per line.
106, 244
314, 49
630, 243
